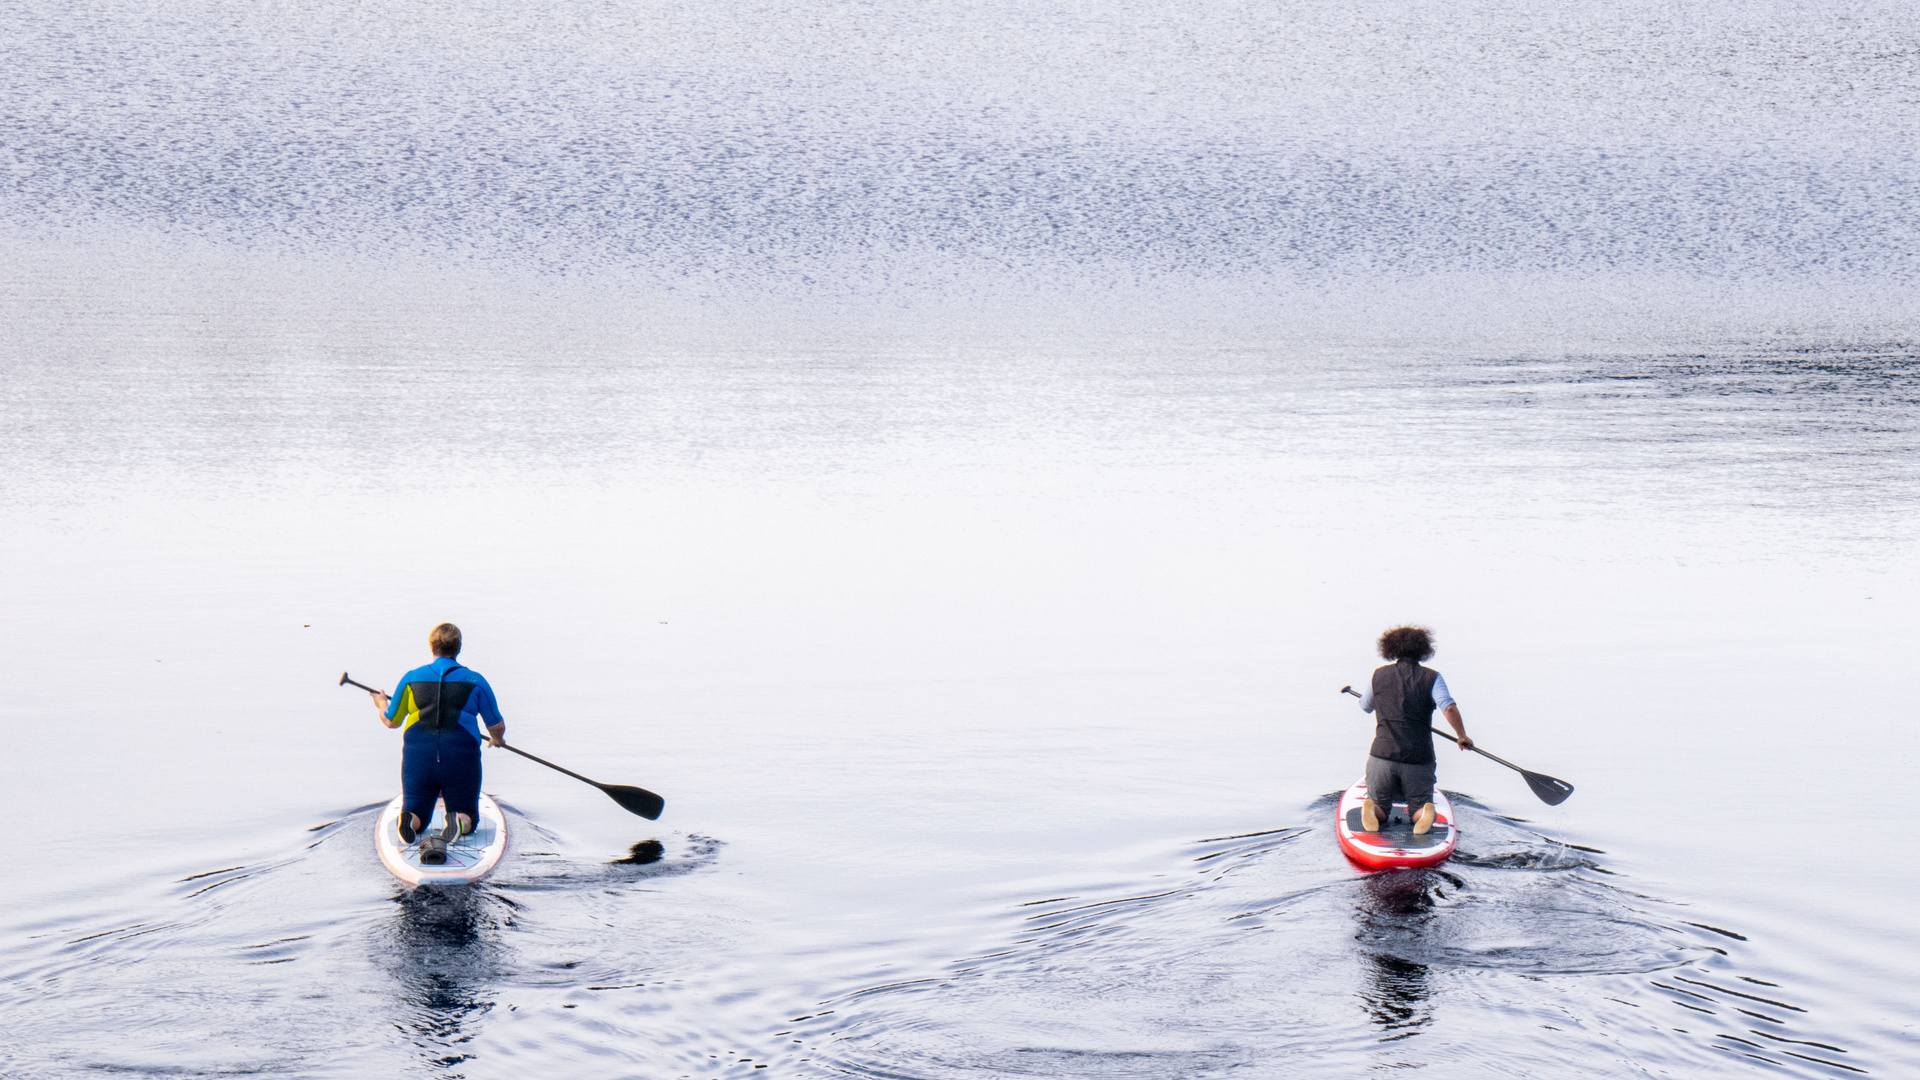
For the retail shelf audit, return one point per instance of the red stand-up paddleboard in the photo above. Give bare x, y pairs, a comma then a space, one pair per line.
1395, 847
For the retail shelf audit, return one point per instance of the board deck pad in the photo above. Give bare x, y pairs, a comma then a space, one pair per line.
1399, 831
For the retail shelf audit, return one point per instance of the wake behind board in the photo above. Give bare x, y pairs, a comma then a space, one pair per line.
1395, 847
469, 858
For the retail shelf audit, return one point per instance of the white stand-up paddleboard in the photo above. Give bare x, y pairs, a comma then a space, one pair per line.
469, 858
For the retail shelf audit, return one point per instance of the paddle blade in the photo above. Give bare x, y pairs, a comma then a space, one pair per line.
640, 800
1552, 791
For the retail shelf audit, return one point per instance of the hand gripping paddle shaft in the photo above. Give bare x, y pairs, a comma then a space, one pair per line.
1552, 791
634, 800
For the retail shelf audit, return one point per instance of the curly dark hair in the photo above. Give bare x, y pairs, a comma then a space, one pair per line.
1413, 643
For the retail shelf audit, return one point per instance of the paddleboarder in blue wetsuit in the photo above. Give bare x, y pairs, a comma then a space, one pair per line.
1400, 765
441, 708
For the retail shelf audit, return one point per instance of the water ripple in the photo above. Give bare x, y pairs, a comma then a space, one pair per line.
1225, 149
296, 966
1269, 952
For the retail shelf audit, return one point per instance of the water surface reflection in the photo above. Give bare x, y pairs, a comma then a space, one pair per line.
447, 964
1395, 992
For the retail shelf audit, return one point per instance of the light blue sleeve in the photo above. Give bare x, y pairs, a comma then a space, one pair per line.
1366, 699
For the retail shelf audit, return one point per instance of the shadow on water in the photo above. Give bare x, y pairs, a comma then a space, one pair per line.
446, 960
644, 853
1395, 991
1396, 996
537, 867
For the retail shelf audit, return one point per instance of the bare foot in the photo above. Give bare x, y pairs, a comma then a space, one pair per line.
1369, 818
1423, 821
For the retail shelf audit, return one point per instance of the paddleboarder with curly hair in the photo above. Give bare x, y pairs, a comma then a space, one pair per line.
441, 707
1402, 699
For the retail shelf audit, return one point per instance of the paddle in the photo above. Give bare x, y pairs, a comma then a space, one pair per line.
632, 799
635, 800
1552, 791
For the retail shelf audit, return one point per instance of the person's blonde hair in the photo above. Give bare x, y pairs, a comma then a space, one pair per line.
444, 640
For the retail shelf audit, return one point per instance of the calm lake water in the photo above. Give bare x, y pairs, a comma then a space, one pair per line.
956, 455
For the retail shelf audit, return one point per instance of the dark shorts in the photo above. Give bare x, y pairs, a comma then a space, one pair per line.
1389, 782
444, 767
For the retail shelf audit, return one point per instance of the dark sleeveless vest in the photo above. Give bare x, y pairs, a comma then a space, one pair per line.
1403, 713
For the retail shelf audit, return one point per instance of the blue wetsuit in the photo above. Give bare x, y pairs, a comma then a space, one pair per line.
443, 705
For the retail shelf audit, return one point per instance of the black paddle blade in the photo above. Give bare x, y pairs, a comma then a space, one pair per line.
647, 804
1553, 792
